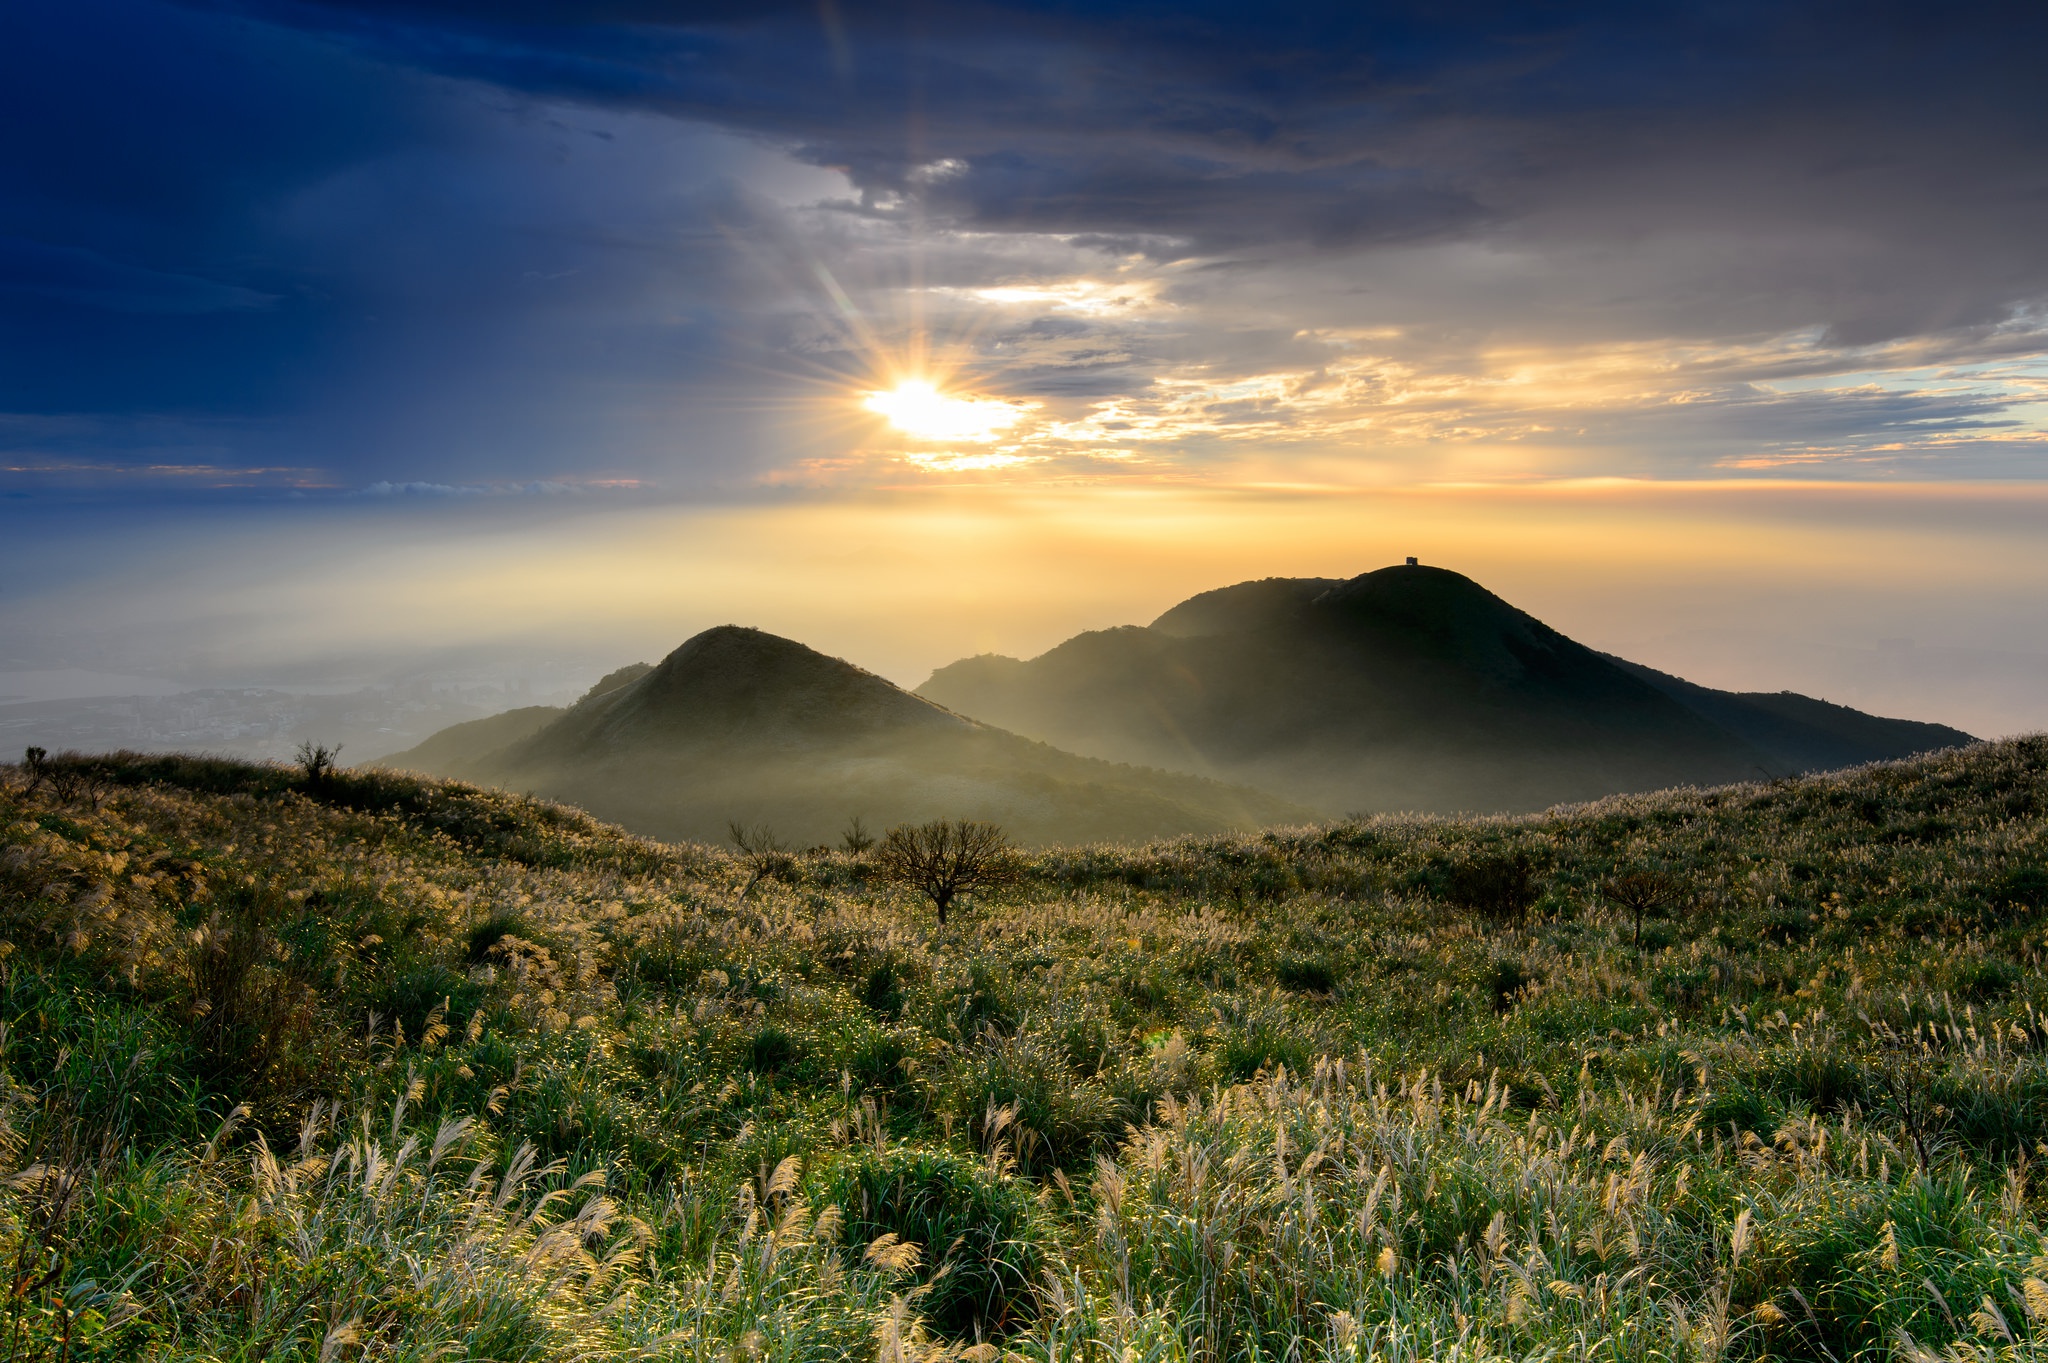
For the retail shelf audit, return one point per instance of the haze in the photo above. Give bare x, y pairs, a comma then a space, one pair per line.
361, 342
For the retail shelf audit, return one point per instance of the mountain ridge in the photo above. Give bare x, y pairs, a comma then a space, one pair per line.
1408, 687
739, 725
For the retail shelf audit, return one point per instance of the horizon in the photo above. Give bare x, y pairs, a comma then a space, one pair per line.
363, 344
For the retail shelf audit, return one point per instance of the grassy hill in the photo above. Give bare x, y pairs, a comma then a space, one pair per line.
740, 725
1406, 688
390, 1067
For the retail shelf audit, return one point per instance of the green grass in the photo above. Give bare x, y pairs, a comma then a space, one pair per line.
394, 1068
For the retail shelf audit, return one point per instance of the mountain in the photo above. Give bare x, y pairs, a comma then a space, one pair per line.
740, 725
1407, 688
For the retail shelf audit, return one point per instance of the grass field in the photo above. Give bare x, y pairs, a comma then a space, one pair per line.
393, 1068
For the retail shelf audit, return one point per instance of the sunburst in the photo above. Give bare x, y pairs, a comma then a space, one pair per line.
921, 410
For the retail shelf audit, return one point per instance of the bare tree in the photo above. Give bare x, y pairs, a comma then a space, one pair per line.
761, 852
1643, 894
856, 839
945, 858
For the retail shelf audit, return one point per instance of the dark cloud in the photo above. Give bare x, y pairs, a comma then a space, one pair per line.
1870, 165
449, 241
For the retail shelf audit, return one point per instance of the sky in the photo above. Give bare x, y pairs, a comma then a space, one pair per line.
354, 340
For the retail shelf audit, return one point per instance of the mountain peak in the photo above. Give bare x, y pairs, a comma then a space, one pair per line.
1408, 687
739, 724
732, 684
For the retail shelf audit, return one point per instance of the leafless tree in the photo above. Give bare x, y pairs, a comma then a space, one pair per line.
946, 857
761, 852
1643, 894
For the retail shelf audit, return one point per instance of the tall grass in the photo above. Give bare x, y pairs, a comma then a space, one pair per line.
384, 1067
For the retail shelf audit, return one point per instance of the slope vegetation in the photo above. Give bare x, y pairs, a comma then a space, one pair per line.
391, 1067
1407, 688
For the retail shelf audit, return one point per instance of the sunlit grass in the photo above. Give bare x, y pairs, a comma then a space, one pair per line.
384, 1066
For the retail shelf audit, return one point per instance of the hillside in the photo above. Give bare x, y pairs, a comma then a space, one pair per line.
1406, 688
742, 726
458, 749
390, 1067
1801, 733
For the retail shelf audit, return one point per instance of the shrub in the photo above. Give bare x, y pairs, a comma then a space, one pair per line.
493, 930
772, 1049
1055, 1118
1263, 1040
1506, 978
1307, 975
1500, 887
318, 761
983, 1254
2024, 888
877, 1063
762, 853
250, 1008
883, 993
856, 839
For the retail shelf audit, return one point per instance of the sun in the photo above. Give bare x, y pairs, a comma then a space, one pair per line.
917, 408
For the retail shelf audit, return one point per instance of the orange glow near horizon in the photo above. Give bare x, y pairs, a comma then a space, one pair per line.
1719, 582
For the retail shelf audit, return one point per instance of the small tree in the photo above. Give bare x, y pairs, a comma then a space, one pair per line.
762, 853
856, 839
945, 858
1642, 894
36, 761
318, 759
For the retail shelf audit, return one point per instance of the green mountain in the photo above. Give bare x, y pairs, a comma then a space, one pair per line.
740, 725
1407, 688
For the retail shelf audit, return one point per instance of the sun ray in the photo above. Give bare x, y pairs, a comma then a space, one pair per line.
919, 409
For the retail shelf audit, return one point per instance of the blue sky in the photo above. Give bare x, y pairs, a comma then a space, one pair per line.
369, 272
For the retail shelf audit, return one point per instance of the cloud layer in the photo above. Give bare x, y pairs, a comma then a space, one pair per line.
675, 246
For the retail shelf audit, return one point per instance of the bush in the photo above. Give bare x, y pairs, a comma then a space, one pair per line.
1263, 1041
1057, 1119
1307, 975
772, 1049
883, 993
250, 1008
1500, 887
983, 1253
2025, 888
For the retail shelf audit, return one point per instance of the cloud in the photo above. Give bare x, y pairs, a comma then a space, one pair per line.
539, 487
491, 245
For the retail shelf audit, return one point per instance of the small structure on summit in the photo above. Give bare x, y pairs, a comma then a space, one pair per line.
1413, 561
